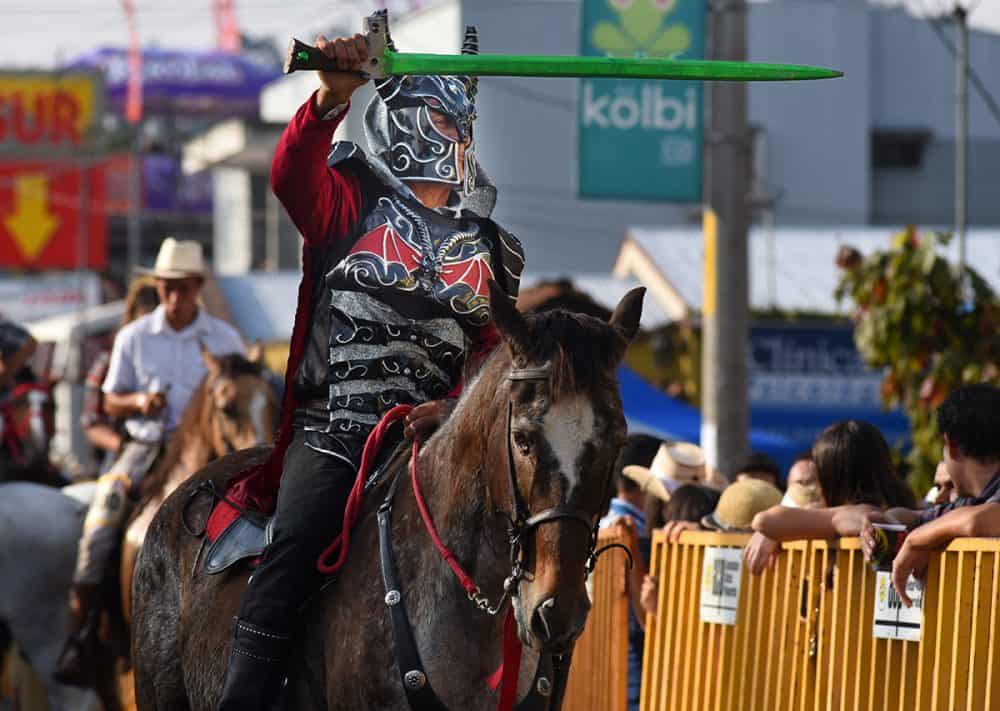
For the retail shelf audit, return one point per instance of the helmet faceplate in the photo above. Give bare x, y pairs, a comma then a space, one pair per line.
403, 136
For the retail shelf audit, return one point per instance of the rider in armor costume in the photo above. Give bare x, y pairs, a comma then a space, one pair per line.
394, 308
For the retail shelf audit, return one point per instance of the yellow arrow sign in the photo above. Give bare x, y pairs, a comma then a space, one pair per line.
31, 224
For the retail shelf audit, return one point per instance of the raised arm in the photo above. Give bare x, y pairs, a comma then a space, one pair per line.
323, 202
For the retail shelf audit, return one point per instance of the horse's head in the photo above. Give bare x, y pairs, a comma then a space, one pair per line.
241, 406
563, 434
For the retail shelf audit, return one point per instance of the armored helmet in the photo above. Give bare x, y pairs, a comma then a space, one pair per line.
402, 134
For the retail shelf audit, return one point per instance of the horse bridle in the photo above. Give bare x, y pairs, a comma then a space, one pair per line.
522, 521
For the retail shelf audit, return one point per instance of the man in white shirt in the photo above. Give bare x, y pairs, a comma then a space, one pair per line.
155, 367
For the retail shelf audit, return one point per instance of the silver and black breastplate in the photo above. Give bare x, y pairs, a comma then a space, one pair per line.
401, 304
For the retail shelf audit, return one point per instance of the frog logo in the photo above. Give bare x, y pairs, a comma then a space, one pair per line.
642, 30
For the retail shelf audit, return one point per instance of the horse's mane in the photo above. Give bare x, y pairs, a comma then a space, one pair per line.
582, 350
231, 365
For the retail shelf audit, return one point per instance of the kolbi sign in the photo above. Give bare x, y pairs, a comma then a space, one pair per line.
641, 139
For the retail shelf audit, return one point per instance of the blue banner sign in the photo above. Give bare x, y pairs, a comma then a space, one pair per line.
641, 139
804, 377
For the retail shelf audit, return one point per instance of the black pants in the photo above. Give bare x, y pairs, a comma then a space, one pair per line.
311, 500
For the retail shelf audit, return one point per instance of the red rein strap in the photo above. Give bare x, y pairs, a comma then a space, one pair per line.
510, 667
464, 578
342, 543
506, 675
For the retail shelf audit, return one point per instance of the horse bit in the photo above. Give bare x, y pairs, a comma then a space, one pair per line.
523, 522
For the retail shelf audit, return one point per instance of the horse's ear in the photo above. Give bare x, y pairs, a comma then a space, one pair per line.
210, 361
255, 353
625, 319
508, 320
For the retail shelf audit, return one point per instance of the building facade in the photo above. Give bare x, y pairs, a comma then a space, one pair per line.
874, 147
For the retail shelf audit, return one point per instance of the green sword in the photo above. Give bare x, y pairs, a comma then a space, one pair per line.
384, 62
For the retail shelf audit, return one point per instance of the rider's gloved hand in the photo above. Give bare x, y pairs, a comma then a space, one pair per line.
427, 417
336, 87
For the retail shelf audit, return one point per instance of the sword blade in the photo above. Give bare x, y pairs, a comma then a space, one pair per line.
399, 63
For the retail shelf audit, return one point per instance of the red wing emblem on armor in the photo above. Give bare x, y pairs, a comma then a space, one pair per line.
386, 244
474, 272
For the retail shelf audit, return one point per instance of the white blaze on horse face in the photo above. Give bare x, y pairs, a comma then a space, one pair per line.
568, 426
257, 406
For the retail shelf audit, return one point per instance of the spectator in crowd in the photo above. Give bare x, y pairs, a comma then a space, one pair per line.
759, 466
689, 503
682, 505
629, 499
16, 348
943, 490
155, 367
626, 509
675, 465
106, 433
803, 490
740, 503
969, 422
856, 476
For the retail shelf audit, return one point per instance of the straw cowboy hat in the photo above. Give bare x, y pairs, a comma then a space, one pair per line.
803, 496
739, 503
673, 466
177, 259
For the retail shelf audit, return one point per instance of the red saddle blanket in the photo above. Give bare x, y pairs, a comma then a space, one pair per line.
223, 515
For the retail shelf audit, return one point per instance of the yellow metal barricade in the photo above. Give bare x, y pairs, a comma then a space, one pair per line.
598, 679
688, 664
803, 638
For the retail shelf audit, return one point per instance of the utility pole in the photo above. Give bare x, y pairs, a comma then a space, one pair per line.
725, 312
961, 130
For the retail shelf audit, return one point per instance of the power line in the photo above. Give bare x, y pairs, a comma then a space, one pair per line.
977, 83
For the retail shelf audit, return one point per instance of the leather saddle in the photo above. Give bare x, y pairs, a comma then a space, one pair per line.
245, 538
250, 532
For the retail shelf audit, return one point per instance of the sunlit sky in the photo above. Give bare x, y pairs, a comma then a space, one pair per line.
41, 33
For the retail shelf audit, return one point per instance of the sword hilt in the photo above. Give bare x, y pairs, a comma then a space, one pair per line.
302, 56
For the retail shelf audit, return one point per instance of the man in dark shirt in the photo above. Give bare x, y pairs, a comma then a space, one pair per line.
969, 422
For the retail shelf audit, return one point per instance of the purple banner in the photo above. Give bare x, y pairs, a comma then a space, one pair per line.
183, 83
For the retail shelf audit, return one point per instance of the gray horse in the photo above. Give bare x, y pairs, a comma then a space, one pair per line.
39, 530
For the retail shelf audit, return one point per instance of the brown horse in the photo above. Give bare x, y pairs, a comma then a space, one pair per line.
536, 432
234, 408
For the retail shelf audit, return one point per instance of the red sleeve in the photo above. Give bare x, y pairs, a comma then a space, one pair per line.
485, 342
323, 202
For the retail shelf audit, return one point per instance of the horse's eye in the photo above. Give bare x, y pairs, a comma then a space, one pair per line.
522, 442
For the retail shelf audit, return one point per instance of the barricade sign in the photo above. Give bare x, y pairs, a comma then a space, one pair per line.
892, 619
720, 585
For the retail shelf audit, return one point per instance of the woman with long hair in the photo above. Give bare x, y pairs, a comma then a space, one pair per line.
856, 475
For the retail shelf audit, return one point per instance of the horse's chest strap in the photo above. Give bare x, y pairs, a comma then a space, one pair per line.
419, 693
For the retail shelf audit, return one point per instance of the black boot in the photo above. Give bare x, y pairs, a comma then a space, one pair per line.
77, 665
256, 670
